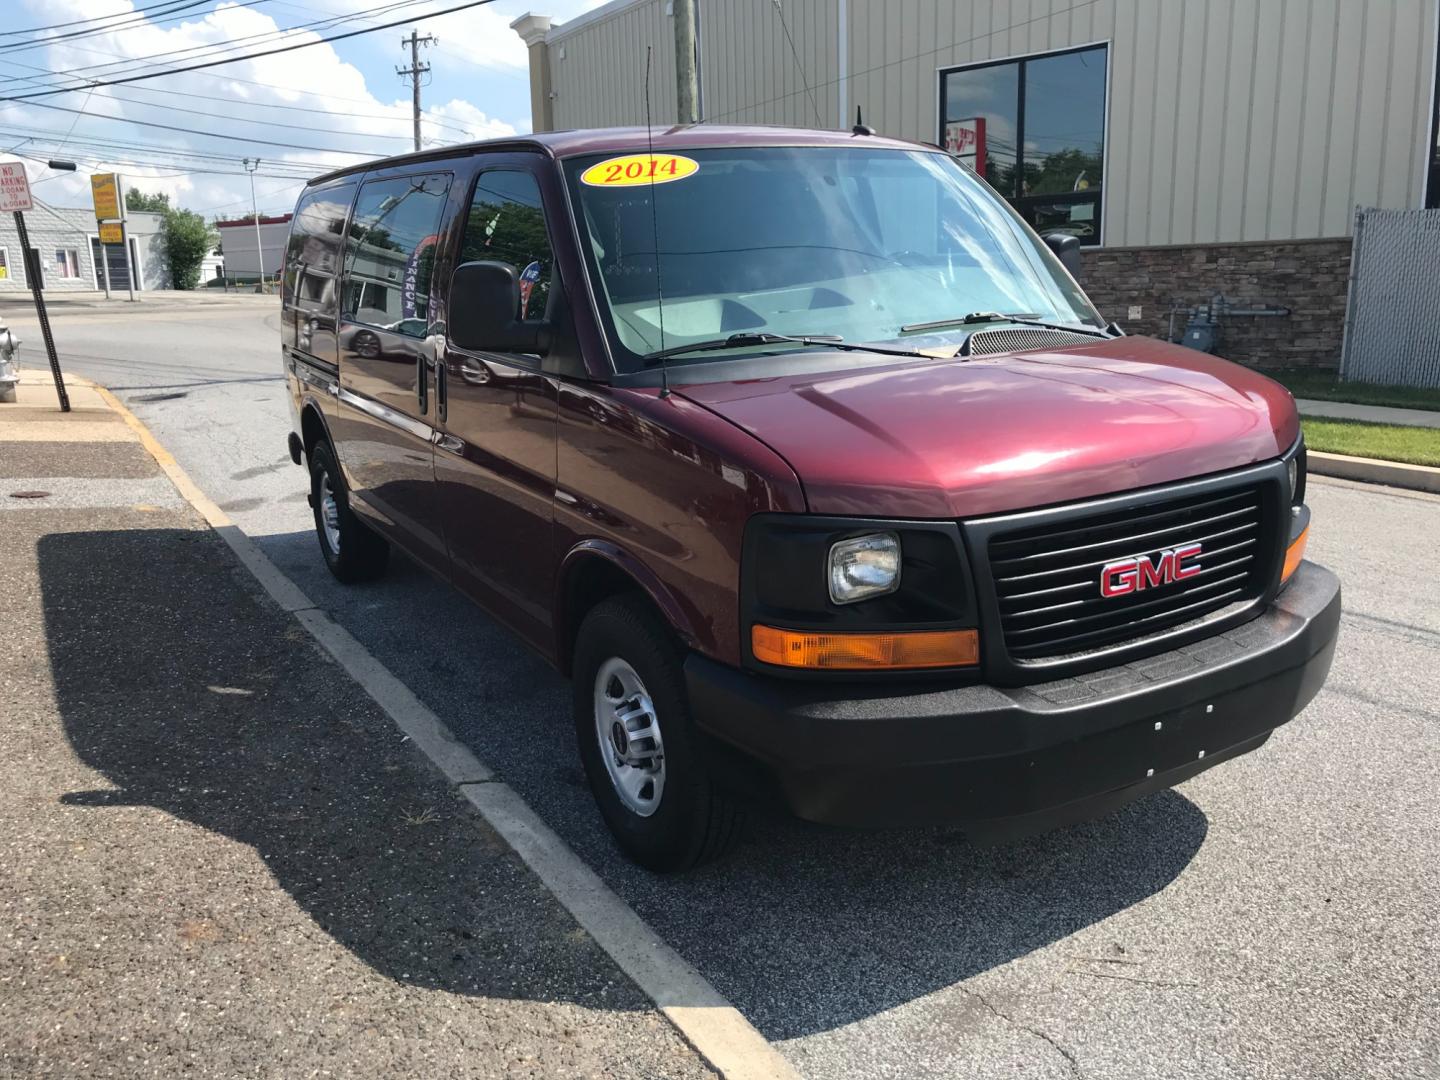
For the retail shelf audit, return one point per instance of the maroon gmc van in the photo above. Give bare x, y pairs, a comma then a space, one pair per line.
813, 468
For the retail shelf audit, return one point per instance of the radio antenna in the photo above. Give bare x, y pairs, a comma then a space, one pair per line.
655, 232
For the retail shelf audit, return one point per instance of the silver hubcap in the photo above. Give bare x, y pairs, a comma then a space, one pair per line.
629, 736
329, 513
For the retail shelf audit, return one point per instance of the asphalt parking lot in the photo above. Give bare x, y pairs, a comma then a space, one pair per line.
1274, 917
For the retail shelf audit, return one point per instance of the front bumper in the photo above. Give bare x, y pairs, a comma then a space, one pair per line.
1008, 762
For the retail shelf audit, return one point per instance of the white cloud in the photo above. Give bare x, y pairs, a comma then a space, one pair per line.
351, 115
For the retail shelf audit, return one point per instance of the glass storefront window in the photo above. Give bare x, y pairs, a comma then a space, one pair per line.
1044, 134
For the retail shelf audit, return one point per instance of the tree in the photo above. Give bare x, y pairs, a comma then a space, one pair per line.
158, 203
188, 239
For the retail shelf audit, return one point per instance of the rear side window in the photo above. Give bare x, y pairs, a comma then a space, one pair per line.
312, 255
390, 252
507, 224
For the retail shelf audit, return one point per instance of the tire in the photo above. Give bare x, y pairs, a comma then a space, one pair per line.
686, 822
352, 551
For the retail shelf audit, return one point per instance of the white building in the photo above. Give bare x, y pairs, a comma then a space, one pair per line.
237, 245
66, 242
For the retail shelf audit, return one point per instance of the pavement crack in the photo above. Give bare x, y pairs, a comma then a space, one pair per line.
1043, 1036
1132, 978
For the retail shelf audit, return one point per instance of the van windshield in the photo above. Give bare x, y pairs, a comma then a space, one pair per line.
804, 241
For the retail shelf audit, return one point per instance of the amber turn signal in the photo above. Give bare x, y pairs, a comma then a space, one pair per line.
1293, 554
865, 652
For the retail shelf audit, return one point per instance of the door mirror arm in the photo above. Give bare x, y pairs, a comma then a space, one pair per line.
484, 303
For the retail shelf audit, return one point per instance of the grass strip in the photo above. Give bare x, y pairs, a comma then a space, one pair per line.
1388, 442
1323, 386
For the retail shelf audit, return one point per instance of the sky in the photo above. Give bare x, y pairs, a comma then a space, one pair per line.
300, 113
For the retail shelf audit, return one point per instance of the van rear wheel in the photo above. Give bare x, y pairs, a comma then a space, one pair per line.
351, 550
638, 744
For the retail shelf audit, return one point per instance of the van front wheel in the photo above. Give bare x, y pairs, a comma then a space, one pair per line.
352, 552
638, 744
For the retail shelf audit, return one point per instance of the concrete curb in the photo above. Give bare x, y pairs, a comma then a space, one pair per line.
1373, 471
728, 1042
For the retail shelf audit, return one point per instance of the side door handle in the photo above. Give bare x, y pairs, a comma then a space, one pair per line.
442, 388
474, 372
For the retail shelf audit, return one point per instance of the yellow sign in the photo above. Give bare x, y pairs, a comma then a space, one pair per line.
633, 170
105, 189
112, 232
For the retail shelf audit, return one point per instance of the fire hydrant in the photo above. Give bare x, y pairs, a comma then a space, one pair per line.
9, 370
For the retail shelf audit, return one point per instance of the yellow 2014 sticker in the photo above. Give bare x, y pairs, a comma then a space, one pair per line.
635, 169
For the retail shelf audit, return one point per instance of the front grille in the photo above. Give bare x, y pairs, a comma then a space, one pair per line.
1047, 578
984, 342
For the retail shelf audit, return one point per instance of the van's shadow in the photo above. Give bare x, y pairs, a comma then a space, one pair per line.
805, 929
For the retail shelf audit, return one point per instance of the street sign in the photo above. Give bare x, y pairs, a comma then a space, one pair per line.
105, 190
112, 232
14, 187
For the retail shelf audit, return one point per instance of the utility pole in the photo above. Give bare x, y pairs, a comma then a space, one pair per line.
251, 164
687, 86
415, 70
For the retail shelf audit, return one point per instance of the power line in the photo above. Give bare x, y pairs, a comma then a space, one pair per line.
211, 48
267, 195
798, 65
50, 136
165, 18
231, 100
96, 18
248, 120
505, 72
248, 56
209, 134
169, 173
253, 56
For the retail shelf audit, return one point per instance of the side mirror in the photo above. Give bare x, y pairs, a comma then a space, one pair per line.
1066, 249
484, 303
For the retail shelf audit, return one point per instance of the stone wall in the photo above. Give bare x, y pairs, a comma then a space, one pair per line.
1310, 277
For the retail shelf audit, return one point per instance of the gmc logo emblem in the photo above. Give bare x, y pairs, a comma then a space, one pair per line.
1140, 572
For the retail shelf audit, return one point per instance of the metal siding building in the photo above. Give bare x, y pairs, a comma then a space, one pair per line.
1225, 122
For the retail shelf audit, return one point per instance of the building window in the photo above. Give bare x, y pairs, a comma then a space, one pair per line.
1041, 142
67, 260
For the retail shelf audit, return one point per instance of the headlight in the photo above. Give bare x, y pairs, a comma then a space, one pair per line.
1292, 467
864, 566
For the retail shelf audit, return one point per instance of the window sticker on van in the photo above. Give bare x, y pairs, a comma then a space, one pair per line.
635, 169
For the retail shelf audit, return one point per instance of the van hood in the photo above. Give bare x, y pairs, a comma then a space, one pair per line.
957, 438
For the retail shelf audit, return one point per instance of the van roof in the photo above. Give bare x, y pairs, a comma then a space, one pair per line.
563, 144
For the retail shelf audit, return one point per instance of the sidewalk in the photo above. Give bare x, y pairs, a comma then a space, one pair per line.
1371, 414
15, 302
217, 855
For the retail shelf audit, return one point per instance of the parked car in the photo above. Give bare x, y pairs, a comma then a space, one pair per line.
814, 469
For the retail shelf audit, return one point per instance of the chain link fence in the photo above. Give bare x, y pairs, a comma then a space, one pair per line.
1392, 317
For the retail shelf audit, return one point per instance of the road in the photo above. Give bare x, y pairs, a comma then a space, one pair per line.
1274, 917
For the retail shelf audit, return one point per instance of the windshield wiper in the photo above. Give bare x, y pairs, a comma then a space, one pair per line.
752, 338
1025, 318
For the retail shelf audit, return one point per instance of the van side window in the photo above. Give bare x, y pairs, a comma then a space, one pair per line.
312, 262
390, 252
506, 223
